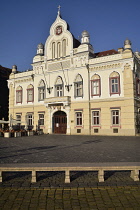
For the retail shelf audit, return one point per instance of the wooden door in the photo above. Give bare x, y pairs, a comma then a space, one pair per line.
60, 122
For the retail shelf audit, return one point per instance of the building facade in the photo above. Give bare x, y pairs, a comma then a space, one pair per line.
73, 90
4, 92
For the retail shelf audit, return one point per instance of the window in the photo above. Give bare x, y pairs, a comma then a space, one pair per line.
41, 91
114, 83
78, 116
30, 119
95, 85
64, 47
96, 118
59, 87
30, 93
78, 86
138, 86
53, 50
19, 94
41, 119
18, 118
115, 117
58, 50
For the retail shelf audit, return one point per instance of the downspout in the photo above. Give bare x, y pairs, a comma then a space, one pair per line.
89, 104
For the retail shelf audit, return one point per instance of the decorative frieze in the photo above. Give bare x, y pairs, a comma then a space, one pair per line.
104, 67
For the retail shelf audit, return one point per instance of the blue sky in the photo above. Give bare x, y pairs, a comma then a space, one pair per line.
26, 23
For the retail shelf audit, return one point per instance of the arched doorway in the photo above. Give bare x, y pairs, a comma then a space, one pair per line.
59, 122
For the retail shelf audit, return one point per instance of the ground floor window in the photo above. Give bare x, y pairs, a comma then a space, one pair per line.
41, 119
115, 117
78, 118
30, 119
96, 118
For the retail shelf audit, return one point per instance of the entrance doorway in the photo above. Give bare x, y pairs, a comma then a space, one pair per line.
60, 122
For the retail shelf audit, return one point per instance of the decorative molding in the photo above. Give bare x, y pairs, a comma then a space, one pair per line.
105, 67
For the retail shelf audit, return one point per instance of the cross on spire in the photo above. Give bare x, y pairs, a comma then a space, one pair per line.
59, 9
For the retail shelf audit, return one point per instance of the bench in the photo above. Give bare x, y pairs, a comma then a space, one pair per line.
134, 167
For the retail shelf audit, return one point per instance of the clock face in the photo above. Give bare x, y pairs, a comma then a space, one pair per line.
58, 30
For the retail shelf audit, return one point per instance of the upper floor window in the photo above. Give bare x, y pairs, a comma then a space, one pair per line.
64, 47
30, 93
138, 86
53, 50
114, 82
78, 86
58, 50
41, 91
19, 94
59, 87
95, 85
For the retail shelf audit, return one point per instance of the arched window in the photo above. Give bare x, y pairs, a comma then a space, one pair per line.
58, 50
30, 93
41, 91
19, 94
95, 85
64, 47
78, 86
114, 83
53, 50
59, 87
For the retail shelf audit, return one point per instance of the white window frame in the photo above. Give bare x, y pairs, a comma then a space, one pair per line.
78, 86
30, 119
18, 96
115, 118
96, 118
79, 118
41, 93
59, 90
30, 95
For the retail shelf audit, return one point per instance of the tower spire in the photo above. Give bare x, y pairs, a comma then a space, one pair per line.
59, 10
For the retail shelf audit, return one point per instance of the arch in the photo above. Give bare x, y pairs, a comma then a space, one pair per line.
78, 78
19, 88
30, 86
59, 122
95, 76
41, 83
114, 74
59, 81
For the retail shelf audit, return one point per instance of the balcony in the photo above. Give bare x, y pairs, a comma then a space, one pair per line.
58, 101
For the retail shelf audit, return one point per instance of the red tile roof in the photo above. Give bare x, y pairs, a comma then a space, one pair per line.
105, 53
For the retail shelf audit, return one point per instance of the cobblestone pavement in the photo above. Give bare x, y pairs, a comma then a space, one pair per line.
64, 148
84, 192
71, 198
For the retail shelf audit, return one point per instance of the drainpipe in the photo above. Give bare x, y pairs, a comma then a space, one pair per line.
89, 104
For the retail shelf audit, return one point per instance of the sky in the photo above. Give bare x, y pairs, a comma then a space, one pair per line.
26, 23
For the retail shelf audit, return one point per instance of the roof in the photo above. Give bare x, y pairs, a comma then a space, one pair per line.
105, 53
5, 72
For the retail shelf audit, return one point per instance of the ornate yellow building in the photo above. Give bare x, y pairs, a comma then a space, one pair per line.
73, 90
